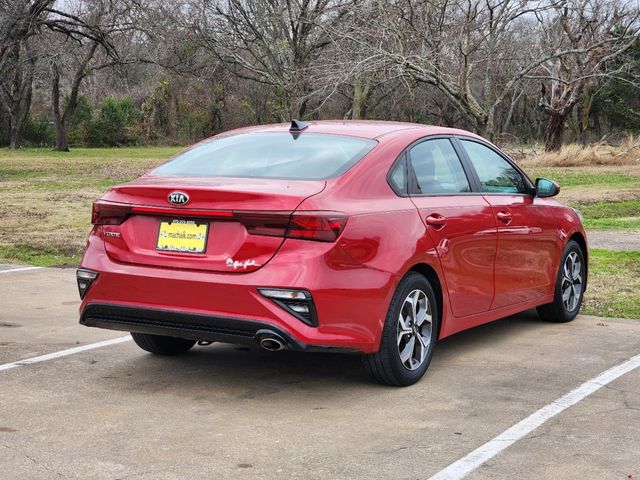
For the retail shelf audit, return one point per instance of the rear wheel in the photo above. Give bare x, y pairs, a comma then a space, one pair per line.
409, 335
569, 287
161, 345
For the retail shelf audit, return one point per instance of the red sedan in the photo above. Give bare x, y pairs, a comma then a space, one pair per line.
376, 238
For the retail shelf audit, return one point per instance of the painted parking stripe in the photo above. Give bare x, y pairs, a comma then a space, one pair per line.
467, 464
21, 269
64, 353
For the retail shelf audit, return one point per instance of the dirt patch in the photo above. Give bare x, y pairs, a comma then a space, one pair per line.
590, 194
614, 240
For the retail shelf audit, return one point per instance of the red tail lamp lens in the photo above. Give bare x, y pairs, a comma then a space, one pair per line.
319, 226
105, 213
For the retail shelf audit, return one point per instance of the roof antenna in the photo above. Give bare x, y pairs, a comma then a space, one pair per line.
297, 126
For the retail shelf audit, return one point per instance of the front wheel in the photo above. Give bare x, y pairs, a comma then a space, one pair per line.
569, 288
161, 345
409, 335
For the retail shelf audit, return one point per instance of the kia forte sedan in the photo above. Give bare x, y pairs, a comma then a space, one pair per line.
375, 238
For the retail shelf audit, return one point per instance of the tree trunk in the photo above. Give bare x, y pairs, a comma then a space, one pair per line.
361, 94
172, 111
554, 132
488, 129
17, 94
58, 120
61, 138
14, 137
61, 119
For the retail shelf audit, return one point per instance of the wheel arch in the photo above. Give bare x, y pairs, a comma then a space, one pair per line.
428, 271
580, 239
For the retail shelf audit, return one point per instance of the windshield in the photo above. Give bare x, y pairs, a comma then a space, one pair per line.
305, 156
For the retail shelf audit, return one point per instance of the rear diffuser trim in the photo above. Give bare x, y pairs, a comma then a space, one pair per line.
191, 326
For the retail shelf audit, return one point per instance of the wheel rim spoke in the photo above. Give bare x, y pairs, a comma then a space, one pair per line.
414, 329
407, 352
572, 281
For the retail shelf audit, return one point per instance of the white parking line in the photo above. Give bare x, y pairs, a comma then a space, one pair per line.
21, 269
467, 464
64, 353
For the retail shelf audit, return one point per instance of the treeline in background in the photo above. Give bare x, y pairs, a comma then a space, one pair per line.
136, 72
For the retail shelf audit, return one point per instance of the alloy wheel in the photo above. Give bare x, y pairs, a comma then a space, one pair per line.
571, 281
414, 329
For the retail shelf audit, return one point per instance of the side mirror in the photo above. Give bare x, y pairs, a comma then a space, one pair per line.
546, 188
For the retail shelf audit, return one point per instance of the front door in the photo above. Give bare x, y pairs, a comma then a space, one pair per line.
527, 235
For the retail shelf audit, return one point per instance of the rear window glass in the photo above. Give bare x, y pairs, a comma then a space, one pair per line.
310, 156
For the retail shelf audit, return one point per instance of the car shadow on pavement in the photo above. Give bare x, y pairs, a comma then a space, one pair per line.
266, 373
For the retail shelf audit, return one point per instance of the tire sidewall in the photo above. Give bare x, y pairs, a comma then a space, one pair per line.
566, 315
389, 340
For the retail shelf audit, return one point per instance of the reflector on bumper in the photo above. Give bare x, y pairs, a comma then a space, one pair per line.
298, 303
85, 278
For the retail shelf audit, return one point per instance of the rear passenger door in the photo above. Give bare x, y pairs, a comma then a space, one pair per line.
527, 235
460, 223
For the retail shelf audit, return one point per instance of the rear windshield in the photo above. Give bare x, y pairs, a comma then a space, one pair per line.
310, 156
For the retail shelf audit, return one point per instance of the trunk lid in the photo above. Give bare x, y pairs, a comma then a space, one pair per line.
220, 211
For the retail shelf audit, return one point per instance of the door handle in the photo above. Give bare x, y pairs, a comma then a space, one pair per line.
436, 220
504, 216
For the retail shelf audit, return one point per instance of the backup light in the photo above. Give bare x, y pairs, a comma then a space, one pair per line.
284, 294
298, 303
85, 278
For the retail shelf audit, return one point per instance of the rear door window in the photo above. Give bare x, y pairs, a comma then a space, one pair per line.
306, 156
437, 168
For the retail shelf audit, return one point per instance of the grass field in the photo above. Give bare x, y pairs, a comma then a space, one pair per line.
46, 196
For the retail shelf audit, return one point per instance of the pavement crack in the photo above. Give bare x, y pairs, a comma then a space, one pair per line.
35, 461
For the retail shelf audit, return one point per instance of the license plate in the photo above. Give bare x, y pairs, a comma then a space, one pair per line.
182, 236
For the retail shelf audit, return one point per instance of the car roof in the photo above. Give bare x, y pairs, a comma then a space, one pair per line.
373, 129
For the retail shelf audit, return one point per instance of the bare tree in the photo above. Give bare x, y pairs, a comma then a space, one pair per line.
271, 42
16, 90
479, 54
19, 20
582, 39
74, 56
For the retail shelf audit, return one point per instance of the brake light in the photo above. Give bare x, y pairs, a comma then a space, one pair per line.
320, 226
312, 225
105, 213
272, 224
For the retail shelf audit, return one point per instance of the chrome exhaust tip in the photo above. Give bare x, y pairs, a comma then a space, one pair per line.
271, 341
272, 344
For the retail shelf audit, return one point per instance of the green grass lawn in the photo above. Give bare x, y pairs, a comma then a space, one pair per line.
46, 196
624, 214
607, 197
614, 284
575, 176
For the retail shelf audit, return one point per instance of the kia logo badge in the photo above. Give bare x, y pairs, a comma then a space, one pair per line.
178, 198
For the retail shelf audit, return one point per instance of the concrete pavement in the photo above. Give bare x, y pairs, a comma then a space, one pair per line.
229, 412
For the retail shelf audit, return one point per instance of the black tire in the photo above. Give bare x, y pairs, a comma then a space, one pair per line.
386, 365
161, 345
558, 311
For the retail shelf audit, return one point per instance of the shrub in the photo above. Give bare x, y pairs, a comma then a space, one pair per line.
112, 126
38, 132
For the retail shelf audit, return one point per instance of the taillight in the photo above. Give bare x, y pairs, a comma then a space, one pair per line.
272, 224
105, 213
320, 226
311, 225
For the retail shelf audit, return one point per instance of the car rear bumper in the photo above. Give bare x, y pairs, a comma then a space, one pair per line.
351, 301
191, 326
